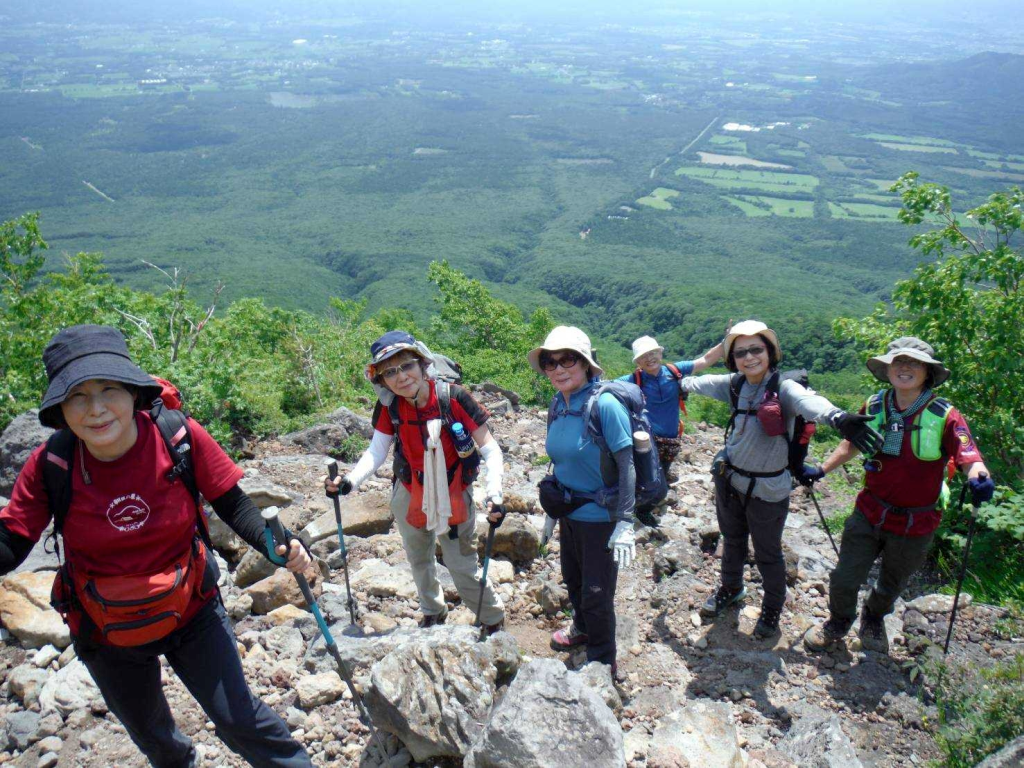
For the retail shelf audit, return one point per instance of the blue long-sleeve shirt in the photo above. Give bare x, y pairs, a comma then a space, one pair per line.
662, 393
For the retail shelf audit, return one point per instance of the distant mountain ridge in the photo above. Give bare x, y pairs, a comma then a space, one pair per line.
982, 76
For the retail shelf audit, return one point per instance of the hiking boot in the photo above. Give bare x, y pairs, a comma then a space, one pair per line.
768, 623
566, 639
873, 636
433, 619
821, 637
647, 518
721, 600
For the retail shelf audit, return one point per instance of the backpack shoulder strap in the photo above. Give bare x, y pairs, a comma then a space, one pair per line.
773, 383
173, 427
875, 403
637, 378
57, 468
939, 406
676, 373
444, 401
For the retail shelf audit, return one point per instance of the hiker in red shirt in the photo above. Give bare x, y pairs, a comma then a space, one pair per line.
134, 536
900, 506
441, 438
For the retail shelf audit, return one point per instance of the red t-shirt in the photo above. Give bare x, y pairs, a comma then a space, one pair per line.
413, 423
907, 481
130, 519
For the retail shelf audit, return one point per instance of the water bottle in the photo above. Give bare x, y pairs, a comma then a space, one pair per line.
464, 444
641, 441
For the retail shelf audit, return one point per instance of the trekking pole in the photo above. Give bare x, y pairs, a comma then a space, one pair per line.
275, 533
332, 470
963, 564
824, 524
483, 579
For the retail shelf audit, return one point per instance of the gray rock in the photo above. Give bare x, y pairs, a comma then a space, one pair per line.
549, 716
353, 423
493, 389
26, 681
598, 676
266, 494
502, 407
361, 515
434, 693
22, 729
552, 597
516, 539
69, 689
238, 606
322, 688
22, 436
1010, 756
701, 729
251, 568
817, 740
48, 760
25, 610
939, 603
332, 438
51, 744
225, 541
286, 642
673, 556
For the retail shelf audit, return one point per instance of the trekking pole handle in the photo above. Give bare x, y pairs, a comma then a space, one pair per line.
275, 534
332, 468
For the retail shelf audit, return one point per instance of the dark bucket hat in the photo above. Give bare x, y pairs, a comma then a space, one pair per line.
84, 352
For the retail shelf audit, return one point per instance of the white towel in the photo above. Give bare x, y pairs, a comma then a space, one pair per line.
436, 504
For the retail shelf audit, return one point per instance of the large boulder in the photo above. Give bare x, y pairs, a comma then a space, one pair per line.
25, 610
281, 589
379, 578
549, 716
226, 541
361, 515
26, 681
22, 436
70, 689
267, 494
701, 732
515, 540
22, 729
332, 438
434, 693
251, 568
817, 740
1008, 757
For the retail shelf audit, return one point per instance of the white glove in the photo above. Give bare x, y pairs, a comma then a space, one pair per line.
549, 529
623, 544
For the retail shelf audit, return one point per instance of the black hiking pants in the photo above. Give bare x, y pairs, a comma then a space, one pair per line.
204, 655
761, 521
590, 573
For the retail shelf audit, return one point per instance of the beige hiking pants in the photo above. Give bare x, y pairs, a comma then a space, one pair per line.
459, 557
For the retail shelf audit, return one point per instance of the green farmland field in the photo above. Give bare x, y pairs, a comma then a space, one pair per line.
760, 180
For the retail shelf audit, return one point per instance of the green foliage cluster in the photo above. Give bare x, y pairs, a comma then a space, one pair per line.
980, 710
967, 302
249, 370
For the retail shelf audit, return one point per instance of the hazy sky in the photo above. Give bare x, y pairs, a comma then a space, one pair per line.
1006, 14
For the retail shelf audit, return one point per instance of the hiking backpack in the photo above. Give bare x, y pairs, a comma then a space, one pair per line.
799, 440
683, 395
651, 483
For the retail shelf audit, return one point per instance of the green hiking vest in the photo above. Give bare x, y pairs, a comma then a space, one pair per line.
926, 430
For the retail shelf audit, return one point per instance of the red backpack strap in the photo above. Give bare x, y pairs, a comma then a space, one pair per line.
637, 378
177, 436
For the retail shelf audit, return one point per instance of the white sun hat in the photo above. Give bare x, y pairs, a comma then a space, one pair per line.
749, 328
645, 344
565, 337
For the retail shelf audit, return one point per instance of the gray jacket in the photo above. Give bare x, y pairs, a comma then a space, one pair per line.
748, 447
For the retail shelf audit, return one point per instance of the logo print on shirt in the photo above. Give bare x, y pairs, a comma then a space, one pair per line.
128, 512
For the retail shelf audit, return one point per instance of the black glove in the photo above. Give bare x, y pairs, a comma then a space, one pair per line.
500, 510
854, 427
809, 475
344, 488
982, 488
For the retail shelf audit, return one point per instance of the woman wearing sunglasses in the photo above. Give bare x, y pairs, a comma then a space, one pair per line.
751, 473
595, 541
432, 495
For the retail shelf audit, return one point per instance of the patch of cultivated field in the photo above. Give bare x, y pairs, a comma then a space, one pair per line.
1005, 165
659, 199
748, 209
429, 151
917, 147
791, 152
834, 164
768, 181
891, 199
708, 158
925, 140
862, 211
882, 184
984, 174
729, 143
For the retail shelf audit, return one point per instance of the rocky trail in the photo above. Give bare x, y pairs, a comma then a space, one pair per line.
692, 693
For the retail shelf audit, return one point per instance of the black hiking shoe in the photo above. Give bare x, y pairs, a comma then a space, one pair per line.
768, 623
821, 637
647, 518
873, 636
721, 600
433, 619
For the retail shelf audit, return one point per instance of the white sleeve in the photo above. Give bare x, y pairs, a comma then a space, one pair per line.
371, 459
495, 464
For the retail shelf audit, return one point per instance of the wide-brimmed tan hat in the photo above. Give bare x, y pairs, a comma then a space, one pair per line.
749, 328
913, 347
645, 344
565, 337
